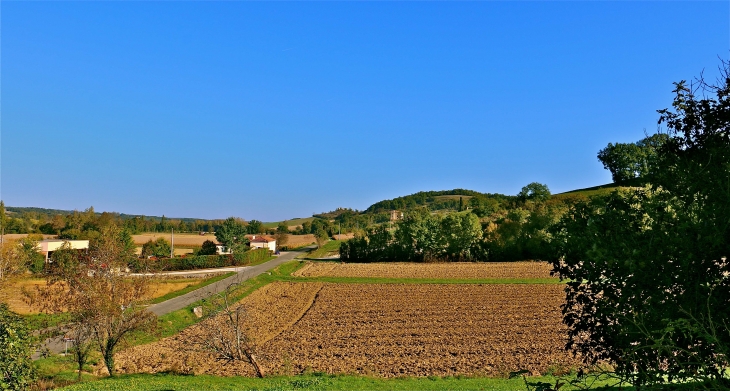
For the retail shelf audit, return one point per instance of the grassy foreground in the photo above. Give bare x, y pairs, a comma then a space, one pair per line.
144, 382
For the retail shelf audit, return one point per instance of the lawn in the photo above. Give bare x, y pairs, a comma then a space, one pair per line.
315, 381
328, 249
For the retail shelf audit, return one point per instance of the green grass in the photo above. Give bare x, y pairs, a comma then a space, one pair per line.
191, 288
316, 381
42, 321
330, 247
260, 261
297, 221
57, 371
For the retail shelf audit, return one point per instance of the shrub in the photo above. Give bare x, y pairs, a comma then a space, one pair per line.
16, 367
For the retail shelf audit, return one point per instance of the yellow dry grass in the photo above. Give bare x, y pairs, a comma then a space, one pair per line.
15, 298
21, 236
13, 294
300, 240
180, 239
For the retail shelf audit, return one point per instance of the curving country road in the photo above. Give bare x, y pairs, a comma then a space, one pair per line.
243, 274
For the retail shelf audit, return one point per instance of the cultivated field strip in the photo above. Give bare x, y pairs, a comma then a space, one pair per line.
270, 310
422, 330
469, 270
385, 330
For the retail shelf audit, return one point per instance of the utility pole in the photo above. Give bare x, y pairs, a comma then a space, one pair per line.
172, 242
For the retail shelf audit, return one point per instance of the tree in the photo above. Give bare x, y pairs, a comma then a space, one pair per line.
16, 367
648, 268
208, 248
632, 160
232, 234
321, 237
282, 228
256, 227
159, 248
12, 263
534, 191
93, 289
227, 334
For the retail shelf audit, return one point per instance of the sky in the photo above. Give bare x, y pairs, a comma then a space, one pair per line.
277, 110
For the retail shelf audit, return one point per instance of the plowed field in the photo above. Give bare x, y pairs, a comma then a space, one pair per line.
469, 270
386, 330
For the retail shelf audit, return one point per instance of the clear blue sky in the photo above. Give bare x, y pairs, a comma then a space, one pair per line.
275, 110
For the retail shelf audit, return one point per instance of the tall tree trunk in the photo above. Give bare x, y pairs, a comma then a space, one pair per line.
109, 358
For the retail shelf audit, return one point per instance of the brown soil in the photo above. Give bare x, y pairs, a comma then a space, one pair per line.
386, 330
427, 270
271, 310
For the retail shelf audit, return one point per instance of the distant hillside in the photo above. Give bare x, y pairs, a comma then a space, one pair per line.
45, 212
434, 200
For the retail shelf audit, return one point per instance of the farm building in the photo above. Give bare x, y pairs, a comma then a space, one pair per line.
260, 241
221, 249
48, 246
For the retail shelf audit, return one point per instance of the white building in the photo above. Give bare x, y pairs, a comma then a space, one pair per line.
221, 249
48, 246
258, 241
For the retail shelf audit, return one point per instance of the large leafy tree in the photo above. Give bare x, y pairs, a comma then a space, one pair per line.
232, 234
101, 300
627, 161
158, 248
649, 279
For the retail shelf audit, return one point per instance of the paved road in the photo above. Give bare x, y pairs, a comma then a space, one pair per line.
242, 275
57, 345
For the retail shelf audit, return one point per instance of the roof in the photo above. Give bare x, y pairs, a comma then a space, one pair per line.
262, 239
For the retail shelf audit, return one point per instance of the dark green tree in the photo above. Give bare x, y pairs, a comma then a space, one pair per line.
232, 234
208, 248
159, 248
534, 191
647, 269
256, 227
628, 161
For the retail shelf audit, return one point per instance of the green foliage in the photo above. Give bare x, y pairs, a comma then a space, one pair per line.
282, 228
534, 191
192, 262
232, 234
420, 237
158, 248
648, 269
633, 160
208, 248
430, 199
255, 227
16, 367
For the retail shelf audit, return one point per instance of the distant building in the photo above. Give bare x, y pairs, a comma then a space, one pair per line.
396, 215
221, 249
48, 246
260, 241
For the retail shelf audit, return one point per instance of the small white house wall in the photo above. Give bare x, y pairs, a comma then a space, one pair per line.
270, 245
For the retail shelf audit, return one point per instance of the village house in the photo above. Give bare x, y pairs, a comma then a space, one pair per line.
48, 246
261, 241
396, 215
